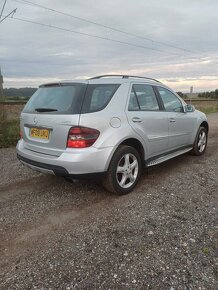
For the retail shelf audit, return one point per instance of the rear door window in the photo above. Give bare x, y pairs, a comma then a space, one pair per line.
143, 98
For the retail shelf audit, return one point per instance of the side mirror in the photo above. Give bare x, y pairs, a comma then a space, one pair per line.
189, 108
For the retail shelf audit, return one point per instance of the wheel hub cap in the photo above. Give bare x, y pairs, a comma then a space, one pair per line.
202, 139
127, 170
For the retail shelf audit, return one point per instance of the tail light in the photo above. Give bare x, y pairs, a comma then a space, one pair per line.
82, 137
21, 135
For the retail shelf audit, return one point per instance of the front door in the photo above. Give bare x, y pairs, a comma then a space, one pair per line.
180, 123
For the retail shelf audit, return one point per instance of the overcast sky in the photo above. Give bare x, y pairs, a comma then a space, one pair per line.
31, 54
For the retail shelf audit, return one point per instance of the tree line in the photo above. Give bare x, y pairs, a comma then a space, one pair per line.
19, 94
211, 95
27, 92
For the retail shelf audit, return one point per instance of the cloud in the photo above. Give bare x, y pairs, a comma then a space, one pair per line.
31, 54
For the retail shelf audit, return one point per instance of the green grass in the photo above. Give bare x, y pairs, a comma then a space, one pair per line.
208, 110
9, 133
206, 250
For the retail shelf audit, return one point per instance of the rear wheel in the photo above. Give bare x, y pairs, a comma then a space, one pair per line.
124, 170
200, 143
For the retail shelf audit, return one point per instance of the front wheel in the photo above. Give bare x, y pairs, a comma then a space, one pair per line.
124, 170
200, 143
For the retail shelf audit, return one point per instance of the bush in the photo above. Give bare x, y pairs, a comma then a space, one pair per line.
211, 95
9, 133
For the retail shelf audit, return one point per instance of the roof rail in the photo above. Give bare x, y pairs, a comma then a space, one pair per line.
124, 77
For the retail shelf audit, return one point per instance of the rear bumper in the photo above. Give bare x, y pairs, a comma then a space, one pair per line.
46, 168
76, 163
56, 170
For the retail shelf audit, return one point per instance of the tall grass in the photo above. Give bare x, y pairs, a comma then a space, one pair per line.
208, 110
9, 133
10, 129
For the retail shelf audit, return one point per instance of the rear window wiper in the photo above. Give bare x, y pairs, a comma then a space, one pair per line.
45, 110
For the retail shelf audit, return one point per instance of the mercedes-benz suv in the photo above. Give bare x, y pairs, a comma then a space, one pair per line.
110, 125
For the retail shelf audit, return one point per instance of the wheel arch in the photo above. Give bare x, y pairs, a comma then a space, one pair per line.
205, 125
135, 143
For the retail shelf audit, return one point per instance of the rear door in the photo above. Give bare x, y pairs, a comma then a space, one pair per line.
180, 124
48, 116
147, 118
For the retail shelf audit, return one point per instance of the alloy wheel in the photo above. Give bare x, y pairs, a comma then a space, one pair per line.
127, 170
202, 139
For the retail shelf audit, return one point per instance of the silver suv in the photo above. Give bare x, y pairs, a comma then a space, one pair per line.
110, 125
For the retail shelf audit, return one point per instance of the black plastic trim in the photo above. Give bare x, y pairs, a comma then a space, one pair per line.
61, 171
58, 170
159, 100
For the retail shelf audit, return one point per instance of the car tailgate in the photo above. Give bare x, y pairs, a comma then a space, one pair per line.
47, 133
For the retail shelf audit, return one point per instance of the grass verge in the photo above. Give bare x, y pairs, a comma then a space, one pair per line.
208, 110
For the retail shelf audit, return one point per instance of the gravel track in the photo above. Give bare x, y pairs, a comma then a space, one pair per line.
164, 235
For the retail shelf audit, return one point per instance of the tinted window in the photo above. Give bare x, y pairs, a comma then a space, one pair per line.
170, 101
98, 96
133, 102
143, 98
63, 99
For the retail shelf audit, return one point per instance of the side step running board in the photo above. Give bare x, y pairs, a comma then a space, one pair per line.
167, 157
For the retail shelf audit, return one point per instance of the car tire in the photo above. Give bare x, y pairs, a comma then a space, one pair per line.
200, 143
124, 170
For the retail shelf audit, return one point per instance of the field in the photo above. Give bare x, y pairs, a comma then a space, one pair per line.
205, 105
9, 128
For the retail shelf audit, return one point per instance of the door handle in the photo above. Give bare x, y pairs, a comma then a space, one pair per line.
136, 120
172, 120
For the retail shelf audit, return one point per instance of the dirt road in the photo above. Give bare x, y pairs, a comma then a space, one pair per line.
58, 235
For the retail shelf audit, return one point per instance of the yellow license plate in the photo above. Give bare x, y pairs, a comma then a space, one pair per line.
39, 133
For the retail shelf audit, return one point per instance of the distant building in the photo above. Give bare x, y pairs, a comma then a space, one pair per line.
2, 110
1, 85
191, 89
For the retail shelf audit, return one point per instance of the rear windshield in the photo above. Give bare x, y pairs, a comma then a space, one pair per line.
57, 100
71, 99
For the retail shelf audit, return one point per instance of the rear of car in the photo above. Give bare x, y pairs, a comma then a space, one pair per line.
52, 137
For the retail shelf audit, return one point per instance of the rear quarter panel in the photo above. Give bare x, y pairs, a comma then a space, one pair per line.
111, 121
